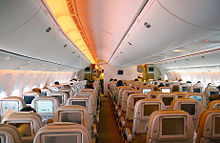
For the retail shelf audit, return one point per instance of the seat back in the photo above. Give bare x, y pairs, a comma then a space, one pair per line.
184, 88
61, 96
45, 92
192, 106
73, 113
208, 127
29, 96
142, 111
125, 96
211, 89
180, 94
198, 96
9, 134
153, 94
62, 132
197, 88
131, 101
91, 91
214, 105
167, 99
45, 106
165, 89
146, 89
120, 92
170, 126
11, 103
27, 123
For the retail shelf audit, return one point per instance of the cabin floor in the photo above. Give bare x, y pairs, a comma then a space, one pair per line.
108, 130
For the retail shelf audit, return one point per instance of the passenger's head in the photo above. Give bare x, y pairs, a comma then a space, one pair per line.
176, 88
159, 78
198, 81
56, 83
161, 85
37, 90
156, 88
28, 109
120, 83
188, 82
214, 97
110, 80
114, 79
89, 84
136, 79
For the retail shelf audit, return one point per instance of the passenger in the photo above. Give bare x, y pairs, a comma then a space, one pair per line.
156, 89
56, 83
37, 90
213, 97
28, 109
109, 83
161, 85
180, 80
136, 79
120, 83
160, 78
89, 85
114, 79
188, 82
139, 78
175, 88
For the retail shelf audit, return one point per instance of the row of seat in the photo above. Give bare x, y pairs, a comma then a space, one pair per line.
80, 112
135, 116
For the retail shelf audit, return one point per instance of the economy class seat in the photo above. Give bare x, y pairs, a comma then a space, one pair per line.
198, 96
214, 105
127, 117
61, 96
27, 123
11, 103
153, 94
76, 114
170, 126
165, 89
146, 89
192, 106
93, 92
9, 134
167, 99
180, 94
209, 127
142, 111
61, 132
124, 99
29, 96
197, 88
184, 88
45, 106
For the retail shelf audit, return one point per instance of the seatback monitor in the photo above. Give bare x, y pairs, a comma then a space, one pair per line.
59, 97
167, 100
148, 109
217, 125
137, 98
190, 108
196, 90
214, 92
184, 88
165, 90
73, 117
146, 91
28, 99
44, 106
9, 105
23, 128
199, 98
61, 139
82, 103
172, 126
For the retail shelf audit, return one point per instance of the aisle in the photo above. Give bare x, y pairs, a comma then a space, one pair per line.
108, 132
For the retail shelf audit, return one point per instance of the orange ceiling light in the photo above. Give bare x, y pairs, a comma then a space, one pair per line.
66, 16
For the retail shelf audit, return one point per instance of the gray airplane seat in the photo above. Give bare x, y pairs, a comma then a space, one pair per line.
11, 103
209, 127
167, 98
9, 134
76, 114
192, 106
45, 106
61, 96
62, 132
27, 123
170, 126
29, 96
142, 111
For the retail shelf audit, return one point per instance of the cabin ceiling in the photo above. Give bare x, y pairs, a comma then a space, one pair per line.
118, 31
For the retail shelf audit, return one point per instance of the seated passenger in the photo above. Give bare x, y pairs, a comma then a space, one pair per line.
28, 109
56, 83
175, 88
89, 85
37, 90
136, 79
213, 97
161, 85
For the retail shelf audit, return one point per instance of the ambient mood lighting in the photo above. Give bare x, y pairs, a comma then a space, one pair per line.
65, 15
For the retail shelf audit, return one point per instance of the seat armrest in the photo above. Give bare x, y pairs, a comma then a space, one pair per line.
127, 134
123, 121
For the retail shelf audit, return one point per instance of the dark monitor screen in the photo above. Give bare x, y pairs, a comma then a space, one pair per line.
214, 92
61, 139
148, 109
217, 125
199, 98
167, 84
43, 93
165, 90
137, 98
59, 97
184, 88
146, 90
151, 69
155, 83
167, 100
120, 72
172, 126
71, 117
28, 99
196, 90
23, 128
190, 108
82, 103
